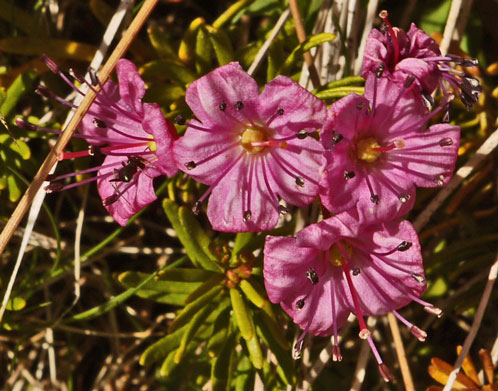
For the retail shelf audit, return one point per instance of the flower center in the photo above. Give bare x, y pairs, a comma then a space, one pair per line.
250, 136
336, 257
367, 150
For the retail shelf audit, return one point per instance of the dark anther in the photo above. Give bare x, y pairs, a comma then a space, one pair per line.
98, 123
466, 62
375, 199
404, 245
445, 142
356, 271
45, 92
349, 175
280, 111
360, 106
446, 116
25, 124
302, 134
76, 76
56, 186
50, 63
404, 197
223, 106
336, 138
379, 71
110, 200
439, 180
418, 278
180, 120
239, 105
50, 177
92, 150
299, 304
428, 99
312, 276
247, 215
299, 181
409, 81
93, 77
190, 165
197, 208
282, 210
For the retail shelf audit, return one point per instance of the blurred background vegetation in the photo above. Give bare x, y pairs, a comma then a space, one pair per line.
119, 333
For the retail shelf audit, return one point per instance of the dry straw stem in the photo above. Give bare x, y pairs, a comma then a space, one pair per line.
301, 36
400, 351
51, 159
451, 22
493, 272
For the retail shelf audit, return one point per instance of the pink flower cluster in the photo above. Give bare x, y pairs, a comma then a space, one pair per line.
260, 153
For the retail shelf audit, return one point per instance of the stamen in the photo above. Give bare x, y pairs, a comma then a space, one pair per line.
384, 15
282, 210
336, 138
299, 181
364, 332
190, 165
300, 304
196, 209
404, 246
247, 216
417, 277
312, 276
223, 106
279, 112
385, 373
420, 334
239, 105
434, 310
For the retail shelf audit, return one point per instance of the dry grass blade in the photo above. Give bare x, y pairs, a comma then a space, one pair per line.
400, 352
493, 272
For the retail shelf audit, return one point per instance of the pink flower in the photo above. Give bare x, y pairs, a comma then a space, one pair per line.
378, 150
134, 136
251, 149
398, 54
339, 266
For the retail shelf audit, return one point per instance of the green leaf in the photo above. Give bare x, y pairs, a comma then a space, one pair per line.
192, 236
252, 293
16, 304
187, 47
221, 369
168, 69
14, 189
119, 299
208, 284
222, 45
191, 330
203, 51
286, 365
160, 42
160, 349
171, 287
241, 240
230, 13
346, 81
220, 332
21, 84
255, 353
56, 48
335, 93
297, 53
17, 146
244, 319
192, 308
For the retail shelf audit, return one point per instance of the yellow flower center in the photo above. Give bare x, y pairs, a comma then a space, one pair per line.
336, 257
364, 150
251, 135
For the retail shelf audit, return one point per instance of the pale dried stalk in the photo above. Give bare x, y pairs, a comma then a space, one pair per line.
64, 138
301, 36
463, 172
361, 365
400, 352
493, 272
266, 45
371, 12
451, 22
